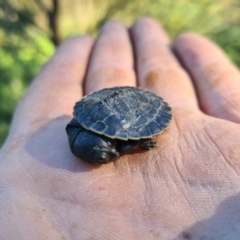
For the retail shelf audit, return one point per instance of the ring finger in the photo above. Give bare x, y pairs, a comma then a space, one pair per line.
157, 68
216, 79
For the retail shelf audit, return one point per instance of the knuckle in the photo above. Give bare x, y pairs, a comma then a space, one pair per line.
217, 73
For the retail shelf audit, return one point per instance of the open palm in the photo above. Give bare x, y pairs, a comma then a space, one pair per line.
185, 188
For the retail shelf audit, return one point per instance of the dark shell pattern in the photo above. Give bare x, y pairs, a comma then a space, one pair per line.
123, 113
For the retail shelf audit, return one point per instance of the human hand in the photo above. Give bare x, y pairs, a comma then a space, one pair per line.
186, 188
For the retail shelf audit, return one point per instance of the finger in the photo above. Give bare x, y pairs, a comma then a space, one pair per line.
157, 68
216, 79
111, 63
57, 87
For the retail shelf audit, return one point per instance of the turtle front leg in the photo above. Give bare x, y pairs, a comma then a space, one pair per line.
127, 146
131, 145
147, 144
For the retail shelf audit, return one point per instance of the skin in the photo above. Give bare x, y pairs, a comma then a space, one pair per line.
185, 188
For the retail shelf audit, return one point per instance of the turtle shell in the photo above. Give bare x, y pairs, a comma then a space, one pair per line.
123, 113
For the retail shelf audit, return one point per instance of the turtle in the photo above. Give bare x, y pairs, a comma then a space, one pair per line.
115, 121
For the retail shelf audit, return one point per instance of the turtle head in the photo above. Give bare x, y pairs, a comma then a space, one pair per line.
92, 147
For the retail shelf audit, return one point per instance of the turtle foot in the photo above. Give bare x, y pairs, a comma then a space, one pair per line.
147, 144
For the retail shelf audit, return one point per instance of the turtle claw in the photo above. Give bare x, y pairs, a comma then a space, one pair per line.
147, 144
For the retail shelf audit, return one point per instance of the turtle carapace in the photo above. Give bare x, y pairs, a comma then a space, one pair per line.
115, 121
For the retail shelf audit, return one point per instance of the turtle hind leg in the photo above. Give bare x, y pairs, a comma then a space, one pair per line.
147, 144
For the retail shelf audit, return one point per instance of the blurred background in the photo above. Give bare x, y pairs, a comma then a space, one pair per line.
30, 31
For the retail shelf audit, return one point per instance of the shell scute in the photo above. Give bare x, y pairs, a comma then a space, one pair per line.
123, 113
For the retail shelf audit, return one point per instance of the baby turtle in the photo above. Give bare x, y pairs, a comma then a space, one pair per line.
116, 121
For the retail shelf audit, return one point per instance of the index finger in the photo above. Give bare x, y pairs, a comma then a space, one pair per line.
57, 87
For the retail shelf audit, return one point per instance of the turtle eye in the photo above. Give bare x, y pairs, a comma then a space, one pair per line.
100, 159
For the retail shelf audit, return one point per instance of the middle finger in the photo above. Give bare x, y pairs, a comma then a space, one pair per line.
111, 63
